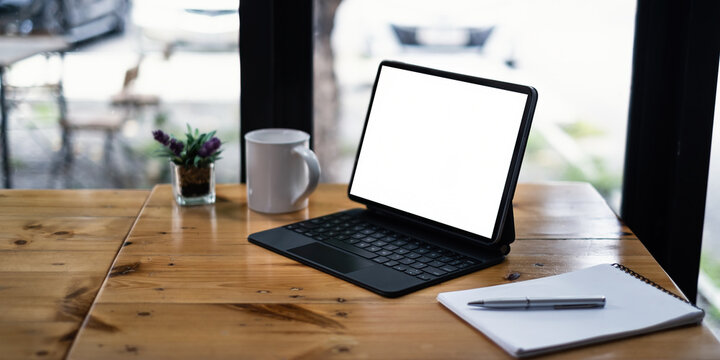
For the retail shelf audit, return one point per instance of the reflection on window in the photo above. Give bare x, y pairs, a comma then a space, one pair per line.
577, 54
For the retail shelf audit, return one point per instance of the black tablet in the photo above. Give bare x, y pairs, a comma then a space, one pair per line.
443, 149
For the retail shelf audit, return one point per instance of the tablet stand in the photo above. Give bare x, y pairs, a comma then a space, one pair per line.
508, 233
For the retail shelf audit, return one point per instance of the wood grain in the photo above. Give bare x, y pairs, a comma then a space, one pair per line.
55, 249
187, 284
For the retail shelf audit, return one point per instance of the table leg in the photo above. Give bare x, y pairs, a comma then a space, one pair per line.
3, 132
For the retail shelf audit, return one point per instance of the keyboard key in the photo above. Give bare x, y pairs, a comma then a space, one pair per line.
385, 253
391, 263
434, 271
462, 265
400, 267
448, 268
379, 243
373, 248
399, 242
410, 247
413, 272
454, 262
418, 265
359, 236
421, 251
393, 256
367, 232
381, 259
407, 261
362, 244
445, 259
436, 264
402, 251
425, 277
412, 255
433, 255
424, 259
378, 235
351, 248
352, 241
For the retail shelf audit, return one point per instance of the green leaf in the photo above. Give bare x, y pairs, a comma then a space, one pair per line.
203, 138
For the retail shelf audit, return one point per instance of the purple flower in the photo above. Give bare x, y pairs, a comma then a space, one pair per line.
209, 147
161, 137
176, 146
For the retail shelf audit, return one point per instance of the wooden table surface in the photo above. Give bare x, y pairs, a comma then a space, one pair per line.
187, 284
55, 250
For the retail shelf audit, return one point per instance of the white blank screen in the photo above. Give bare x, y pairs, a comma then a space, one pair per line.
439, 148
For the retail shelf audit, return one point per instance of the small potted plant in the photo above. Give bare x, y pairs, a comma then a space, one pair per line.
193, 165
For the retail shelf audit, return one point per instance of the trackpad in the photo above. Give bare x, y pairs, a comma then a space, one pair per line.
331, 258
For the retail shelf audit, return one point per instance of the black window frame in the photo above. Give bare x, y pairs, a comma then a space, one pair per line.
672, 100
276, 67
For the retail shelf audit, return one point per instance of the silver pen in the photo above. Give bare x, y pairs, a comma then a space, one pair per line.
559, 302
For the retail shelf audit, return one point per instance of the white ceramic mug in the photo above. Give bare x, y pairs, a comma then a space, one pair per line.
281, 170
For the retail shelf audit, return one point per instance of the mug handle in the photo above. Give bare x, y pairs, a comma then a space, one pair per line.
313, 171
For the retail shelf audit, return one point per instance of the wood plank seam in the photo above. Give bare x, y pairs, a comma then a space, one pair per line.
107, 275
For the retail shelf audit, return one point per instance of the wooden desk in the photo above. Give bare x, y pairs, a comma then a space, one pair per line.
56, 247
187, 284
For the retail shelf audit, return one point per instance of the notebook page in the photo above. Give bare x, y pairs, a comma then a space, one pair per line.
631, 306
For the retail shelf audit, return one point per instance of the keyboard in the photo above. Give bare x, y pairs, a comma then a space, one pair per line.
397, 251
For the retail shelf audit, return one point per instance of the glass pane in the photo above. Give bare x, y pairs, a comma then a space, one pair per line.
709, 281
577, 54
160, 64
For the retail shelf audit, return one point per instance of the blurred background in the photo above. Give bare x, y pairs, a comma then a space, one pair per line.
131, 67
82, 118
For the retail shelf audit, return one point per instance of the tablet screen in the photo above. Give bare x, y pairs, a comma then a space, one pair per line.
438, 148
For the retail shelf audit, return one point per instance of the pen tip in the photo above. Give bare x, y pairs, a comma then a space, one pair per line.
479, 302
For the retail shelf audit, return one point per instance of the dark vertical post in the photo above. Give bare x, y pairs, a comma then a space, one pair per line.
276, 62
669, 132
7, 181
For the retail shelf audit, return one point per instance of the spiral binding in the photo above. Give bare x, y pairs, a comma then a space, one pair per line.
648, 281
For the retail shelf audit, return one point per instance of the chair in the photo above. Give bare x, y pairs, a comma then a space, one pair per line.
128, 104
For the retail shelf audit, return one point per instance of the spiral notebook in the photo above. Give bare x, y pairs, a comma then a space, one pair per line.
634, 305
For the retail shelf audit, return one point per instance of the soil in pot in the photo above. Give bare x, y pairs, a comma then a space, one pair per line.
194, 181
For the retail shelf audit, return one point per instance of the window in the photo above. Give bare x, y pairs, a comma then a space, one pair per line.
579, 59
709, 281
